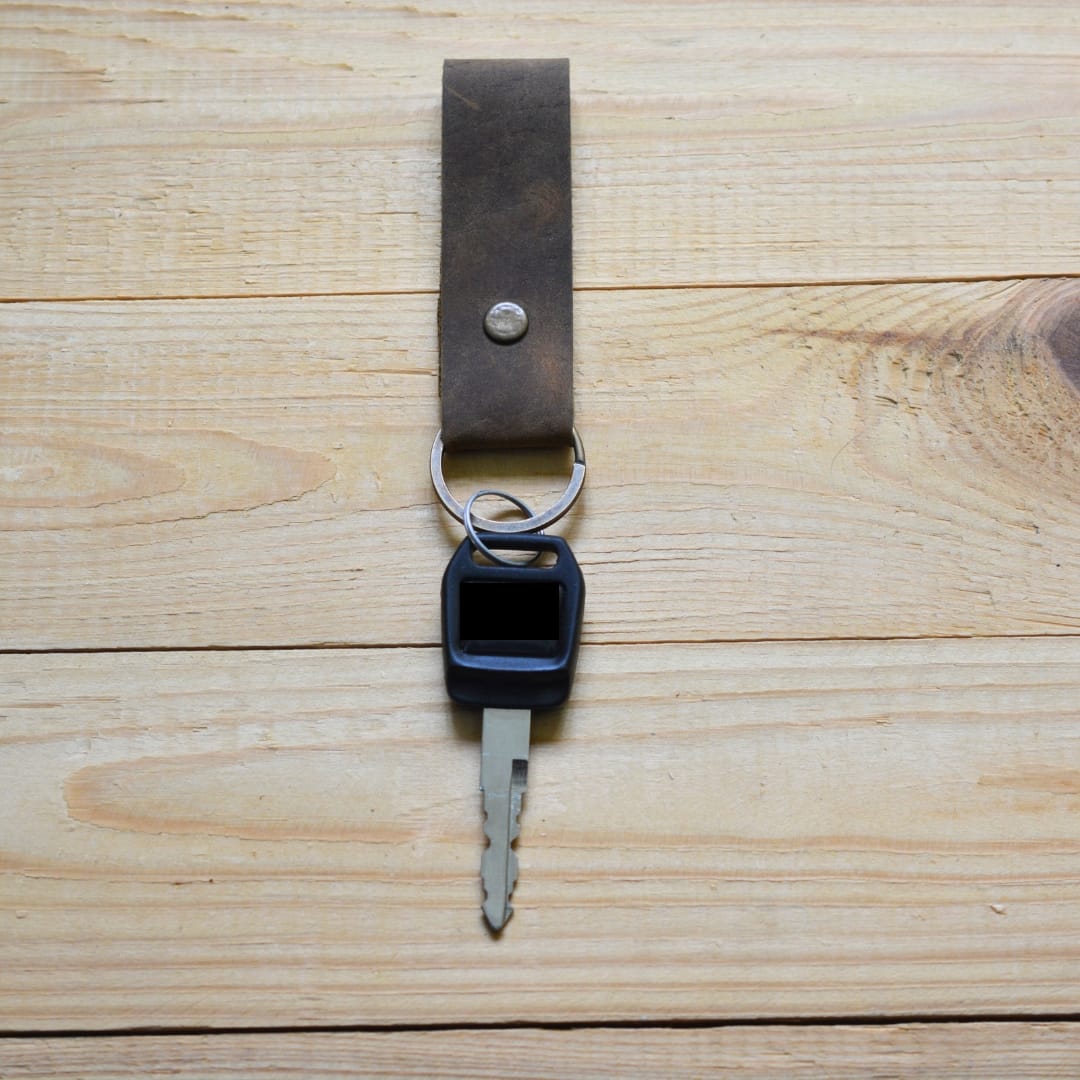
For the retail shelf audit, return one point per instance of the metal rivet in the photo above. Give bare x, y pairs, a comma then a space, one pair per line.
506, 322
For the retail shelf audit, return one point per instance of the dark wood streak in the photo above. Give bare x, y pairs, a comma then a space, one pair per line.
1064, 341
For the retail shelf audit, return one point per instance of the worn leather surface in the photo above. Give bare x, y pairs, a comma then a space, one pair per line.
506, 235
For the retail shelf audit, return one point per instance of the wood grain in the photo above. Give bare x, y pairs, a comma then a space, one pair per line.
275, 147
712, 831
865, 461
1014, 1051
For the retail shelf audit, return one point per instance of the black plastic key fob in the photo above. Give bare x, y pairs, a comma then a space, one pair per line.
511, 633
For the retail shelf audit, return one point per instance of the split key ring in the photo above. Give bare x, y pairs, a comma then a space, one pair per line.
534, 522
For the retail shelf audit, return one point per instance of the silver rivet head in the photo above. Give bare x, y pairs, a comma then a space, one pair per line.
506, 322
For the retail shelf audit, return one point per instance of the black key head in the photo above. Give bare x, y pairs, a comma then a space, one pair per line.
511, 633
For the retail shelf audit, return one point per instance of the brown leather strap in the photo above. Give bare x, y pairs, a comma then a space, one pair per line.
506, 236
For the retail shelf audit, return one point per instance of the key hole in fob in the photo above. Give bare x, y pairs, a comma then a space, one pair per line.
544, 560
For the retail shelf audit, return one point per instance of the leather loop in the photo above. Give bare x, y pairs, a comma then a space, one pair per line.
506, 237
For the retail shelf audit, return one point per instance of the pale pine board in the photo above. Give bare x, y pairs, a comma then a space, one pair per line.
256, 148
976, 1051
865, 461
711, 832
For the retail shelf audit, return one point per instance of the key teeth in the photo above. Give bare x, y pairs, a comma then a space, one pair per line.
498, 910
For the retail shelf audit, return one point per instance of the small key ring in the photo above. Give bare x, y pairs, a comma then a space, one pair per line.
534, 522
474, 536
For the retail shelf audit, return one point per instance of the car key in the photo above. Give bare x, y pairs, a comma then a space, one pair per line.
510, 641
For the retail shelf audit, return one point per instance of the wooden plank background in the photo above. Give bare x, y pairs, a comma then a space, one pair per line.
823, 758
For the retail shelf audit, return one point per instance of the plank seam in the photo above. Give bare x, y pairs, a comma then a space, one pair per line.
667, 287
361, 647
689, 1024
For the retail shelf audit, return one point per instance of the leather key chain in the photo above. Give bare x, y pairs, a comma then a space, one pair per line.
510, 627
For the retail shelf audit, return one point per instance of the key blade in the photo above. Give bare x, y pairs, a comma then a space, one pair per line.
499, 863
504, 766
